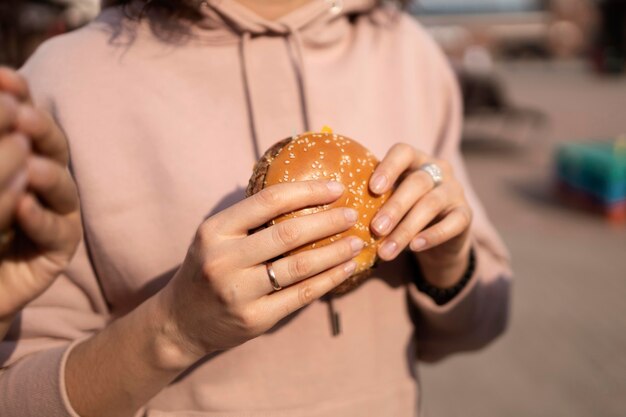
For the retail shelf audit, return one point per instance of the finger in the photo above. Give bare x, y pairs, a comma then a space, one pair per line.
412, 188
271, 202
53, 184
425, 211
9, 198
14, 149
454, 224
291, 234
288, 300
45, 228
399, 158
306, 264
14, 83
8, 112
46, 136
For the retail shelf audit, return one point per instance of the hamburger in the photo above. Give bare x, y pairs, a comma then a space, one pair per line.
327, 156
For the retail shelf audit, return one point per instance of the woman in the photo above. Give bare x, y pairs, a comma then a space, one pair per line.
36, 193
165, 117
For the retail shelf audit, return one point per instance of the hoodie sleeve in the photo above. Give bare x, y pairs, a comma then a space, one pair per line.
33, 354
479, 313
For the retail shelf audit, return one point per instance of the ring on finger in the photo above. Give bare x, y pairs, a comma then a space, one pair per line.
435, 172
272, 276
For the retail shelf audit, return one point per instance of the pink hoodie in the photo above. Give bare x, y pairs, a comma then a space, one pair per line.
164, 131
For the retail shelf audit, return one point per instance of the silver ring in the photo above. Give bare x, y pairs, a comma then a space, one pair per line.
272, 276
434, 171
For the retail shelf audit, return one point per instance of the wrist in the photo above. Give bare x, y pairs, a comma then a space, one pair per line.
444, 270
171, 350
442, 295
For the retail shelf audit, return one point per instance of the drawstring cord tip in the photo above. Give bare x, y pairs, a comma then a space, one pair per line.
335, 320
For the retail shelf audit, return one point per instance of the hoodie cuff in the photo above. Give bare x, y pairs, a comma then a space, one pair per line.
65, 400
425, 300
35, 385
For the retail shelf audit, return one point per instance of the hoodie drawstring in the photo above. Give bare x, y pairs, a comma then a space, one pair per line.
243, 51
297, 60
294, 46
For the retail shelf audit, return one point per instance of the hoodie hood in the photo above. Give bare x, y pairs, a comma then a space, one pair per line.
228, 19
316, 24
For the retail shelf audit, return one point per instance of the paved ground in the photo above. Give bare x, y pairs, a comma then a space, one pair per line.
565, 351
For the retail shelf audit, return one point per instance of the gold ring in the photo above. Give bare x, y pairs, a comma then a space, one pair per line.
272, 276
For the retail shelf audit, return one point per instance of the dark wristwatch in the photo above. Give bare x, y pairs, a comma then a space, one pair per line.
442, 295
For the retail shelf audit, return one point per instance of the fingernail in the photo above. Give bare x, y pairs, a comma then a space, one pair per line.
381, 223
356, 244
350, 267
18, 183
335, 187
418, 244
351, 215
388, 249
378, 183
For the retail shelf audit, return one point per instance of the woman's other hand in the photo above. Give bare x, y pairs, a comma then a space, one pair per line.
432, 220
14, 150
222, 296
46, 208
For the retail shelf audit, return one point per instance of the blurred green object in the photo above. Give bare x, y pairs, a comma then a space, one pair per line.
592, 176
597, 168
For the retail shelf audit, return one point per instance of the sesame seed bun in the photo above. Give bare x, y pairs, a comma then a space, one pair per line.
319, 156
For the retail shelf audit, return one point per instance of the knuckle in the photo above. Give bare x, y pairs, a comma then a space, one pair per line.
226, 295
204, 235
403, 235
286, 233
212, 265
444, 164
392, 209
314, 188
335, 277
437, 234
248, 320
337, 219
467, 215
268, 197
53, 179
285, 310
456, 190
434, 202
300, 267
462, 194
402, 147
306, 295
345, 251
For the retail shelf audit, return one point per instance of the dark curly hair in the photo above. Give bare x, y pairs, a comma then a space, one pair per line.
185, 9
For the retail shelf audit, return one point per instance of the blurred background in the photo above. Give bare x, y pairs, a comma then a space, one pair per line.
544, 88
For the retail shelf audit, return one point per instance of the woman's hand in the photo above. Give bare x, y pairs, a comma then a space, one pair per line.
222, 296
45, 209
14, 150
433, 221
